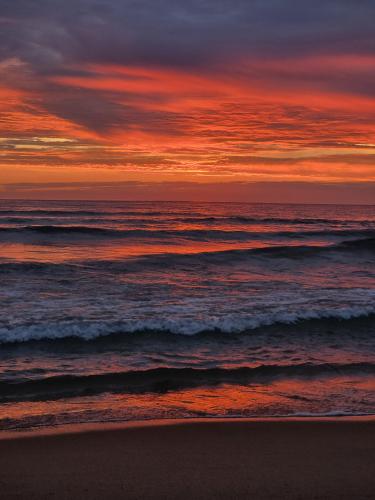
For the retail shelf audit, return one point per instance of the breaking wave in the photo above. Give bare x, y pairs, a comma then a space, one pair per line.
90, 330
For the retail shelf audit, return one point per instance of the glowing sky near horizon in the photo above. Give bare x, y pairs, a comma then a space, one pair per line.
162, 97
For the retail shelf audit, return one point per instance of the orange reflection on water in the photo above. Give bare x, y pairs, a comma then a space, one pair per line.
115, 250
284, 397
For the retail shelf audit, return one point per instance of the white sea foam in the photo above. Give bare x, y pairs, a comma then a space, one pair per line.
230, 324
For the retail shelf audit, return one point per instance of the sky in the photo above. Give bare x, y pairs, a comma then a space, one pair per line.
227, 100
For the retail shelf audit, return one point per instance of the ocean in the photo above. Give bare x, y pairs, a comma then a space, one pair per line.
116, 311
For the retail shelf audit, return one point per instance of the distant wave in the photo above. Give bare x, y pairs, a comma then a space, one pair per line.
197, 217
161, 380
56, 230
243, 219
195, 234
91, 330
83, 213
45, 220
79, 212
165, 260
52, 213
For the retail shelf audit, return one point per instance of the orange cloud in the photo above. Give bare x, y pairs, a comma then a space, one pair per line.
250, 120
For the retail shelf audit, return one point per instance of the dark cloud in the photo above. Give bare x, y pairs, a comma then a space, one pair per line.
104, 111
49, 34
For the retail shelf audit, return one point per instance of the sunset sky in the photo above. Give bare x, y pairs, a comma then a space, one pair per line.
268, 100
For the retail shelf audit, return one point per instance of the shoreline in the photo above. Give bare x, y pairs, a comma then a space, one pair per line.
99, 426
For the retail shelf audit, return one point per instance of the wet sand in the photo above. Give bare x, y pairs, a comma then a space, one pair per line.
275, 459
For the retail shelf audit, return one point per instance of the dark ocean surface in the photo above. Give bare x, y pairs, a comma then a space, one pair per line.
121, 311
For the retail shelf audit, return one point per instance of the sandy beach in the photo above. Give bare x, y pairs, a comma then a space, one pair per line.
275, 459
